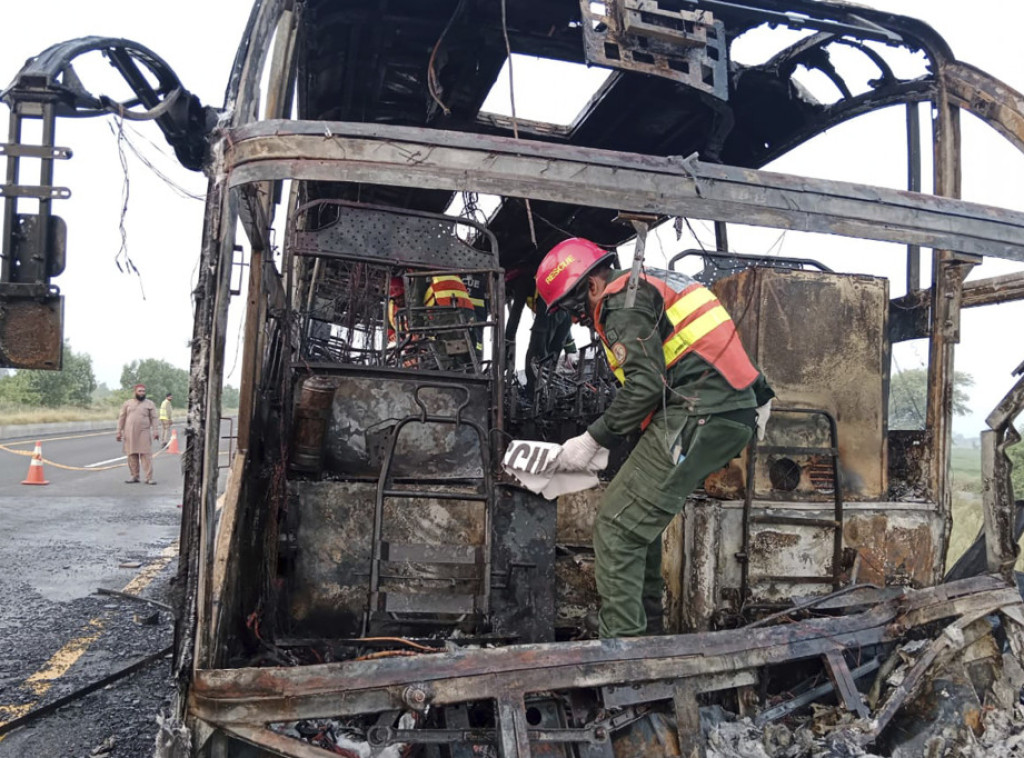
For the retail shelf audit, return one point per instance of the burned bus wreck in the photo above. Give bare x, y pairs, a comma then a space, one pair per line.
372, 582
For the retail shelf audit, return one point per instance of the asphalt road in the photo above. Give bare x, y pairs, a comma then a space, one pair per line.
83, 464
59, 543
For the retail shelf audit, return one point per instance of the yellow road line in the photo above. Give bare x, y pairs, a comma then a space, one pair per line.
60, 662
149, 573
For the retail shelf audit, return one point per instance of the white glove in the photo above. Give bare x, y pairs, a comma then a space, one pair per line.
576, 453
567, 364
763, 412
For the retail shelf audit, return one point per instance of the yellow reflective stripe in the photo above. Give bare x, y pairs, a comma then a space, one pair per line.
438, 293
700, 327
614, 364
688, 303
477, 301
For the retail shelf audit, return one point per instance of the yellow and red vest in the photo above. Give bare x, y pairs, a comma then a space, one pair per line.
447, 290
700, 324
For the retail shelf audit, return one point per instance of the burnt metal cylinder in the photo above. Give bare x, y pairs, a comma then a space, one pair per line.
310, 424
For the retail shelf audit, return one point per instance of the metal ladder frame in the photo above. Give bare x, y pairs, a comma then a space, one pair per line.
482, 600
836, 523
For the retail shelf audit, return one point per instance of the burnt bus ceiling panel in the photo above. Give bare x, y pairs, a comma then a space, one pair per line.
368, 62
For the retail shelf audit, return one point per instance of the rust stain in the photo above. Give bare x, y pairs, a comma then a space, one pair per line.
726, 483
772, 542
909, 556
888, 553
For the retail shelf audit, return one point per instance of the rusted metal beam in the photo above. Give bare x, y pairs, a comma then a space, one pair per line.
947, 279
954, 637
990, 291
411, 157
997, 497
995, 289
281, 694
994, 102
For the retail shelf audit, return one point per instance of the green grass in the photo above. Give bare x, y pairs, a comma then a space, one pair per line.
965, 464
18, 414
967, 514
11, 414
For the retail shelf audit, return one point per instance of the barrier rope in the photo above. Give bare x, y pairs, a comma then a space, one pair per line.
48, 462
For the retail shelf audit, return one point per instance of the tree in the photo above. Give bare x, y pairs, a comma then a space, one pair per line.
908, 397
160, 377
229, 397
72, 385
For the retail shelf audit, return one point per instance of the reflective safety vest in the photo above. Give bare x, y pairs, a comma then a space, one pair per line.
700, 324
392, 319
447, 290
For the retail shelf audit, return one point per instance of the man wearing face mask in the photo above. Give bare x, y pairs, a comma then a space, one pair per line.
686, 381
137, 427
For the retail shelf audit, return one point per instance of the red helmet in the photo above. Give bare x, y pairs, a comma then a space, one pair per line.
396, 287
565, 266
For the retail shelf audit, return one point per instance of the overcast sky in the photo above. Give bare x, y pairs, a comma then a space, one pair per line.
107, 316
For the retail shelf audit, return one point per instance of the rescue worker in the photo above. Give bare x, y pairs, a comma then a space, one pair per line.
448, 292
550, 335
165, 418
686, 380
396, 302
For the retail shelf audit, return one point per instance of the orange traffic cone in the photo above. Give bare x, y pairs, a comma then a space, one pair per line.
172, 446
35, 468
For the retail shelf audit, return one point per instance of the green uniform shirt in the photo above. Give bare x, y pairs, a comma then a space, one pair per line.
692, 383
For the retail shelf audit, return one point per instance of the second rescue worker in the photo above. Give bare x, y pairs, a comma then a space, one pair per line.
686, 380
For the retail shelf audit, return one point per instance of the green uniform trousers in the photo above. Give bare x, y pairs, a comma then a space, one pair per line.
649, 490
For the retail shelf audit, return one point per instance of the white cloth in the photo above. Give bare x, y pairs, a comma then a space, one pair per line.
529, 462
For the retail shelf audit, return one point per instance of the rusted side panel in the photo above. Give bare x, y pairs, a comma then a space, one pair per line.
574, 568
836, 361
891, 549
700, 592
674, 558
576, 514
884, 544
325, 592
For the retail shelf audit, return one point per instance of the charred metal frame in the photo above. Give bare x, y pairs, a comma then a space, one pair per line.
249, 159
411, 157
273, 151
997, 496
234, 700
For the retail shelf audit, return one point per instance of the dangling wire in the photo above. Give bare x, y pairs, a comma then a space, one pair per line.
175, 187
512, 101
433, 83
122, 256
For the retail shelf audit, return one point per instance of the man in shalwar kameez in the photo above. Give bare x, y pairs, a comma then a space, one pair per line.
137, 426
